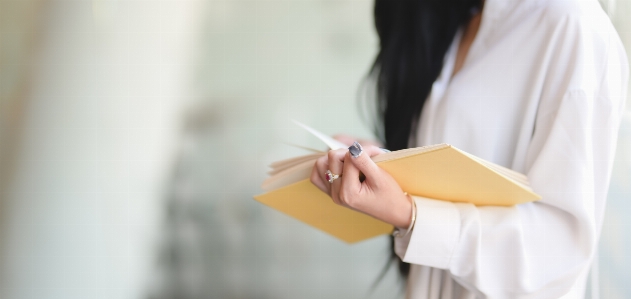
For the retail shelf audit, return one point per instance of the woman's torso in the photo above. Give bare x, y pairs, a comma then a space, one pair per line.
489, 107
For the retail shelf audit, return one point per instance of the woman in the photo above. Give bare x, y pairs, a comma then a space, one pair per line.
535, 85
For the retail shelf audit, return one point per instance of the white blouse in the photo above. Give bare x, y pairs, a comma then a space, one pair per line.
542, 92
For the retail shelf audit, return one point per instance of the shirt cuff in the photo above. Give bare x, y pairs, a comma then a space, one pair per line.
434, 236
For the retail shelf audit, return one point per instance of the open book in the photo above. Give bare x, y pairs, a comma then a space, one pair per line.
439, 171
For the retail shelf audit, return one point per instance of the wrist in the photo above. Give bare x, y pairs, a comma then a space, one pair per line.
397, 232
404, 213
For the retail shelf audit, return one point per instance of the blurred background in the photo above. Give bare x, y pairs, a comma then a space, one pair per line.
133, 135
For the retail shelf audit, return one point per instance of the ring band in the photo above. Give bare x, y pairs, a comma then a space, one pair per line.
331, 176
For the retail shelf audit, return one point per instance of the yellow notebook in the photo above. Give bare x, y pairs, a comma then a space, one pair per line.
438, 171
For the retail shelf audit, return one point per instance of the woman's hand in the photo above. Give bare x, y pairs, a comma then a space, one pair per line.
378, 195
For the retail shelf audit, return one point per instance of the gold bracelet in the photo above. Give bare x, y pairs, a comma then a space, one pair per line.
397, 232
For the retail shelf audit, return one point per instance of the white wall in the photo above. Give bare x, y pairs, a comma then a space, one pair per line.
264, 63
99, 136
614, 260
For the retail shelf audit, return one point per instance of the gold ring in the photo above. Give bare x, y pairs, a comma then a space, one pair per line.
331, 176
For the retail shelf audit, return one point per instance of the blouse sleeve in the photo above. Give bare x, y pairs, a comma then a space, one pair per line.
538, 248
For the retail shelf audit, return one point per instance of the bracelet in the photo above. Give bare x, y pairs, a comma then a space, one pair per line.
397, 232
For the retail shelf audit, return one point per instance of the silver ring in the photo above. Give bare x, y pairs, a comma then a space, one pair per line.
331, 176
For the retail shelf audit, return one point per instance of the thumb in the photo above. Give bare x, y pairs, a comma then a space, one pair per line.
360, 157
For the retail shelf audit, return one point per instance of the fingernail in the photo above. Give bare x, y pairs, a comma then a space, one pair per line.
385, 150
355, 149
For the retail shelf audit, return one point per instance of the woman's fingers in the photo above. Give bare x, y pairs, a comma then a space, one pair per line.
345, 189
336, 166
316, 179
350, 183
333, 161
321, 165
356, 156
360, 158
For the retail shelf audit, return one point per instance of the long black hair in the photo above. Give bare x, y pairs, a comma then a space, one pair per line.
414, 36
